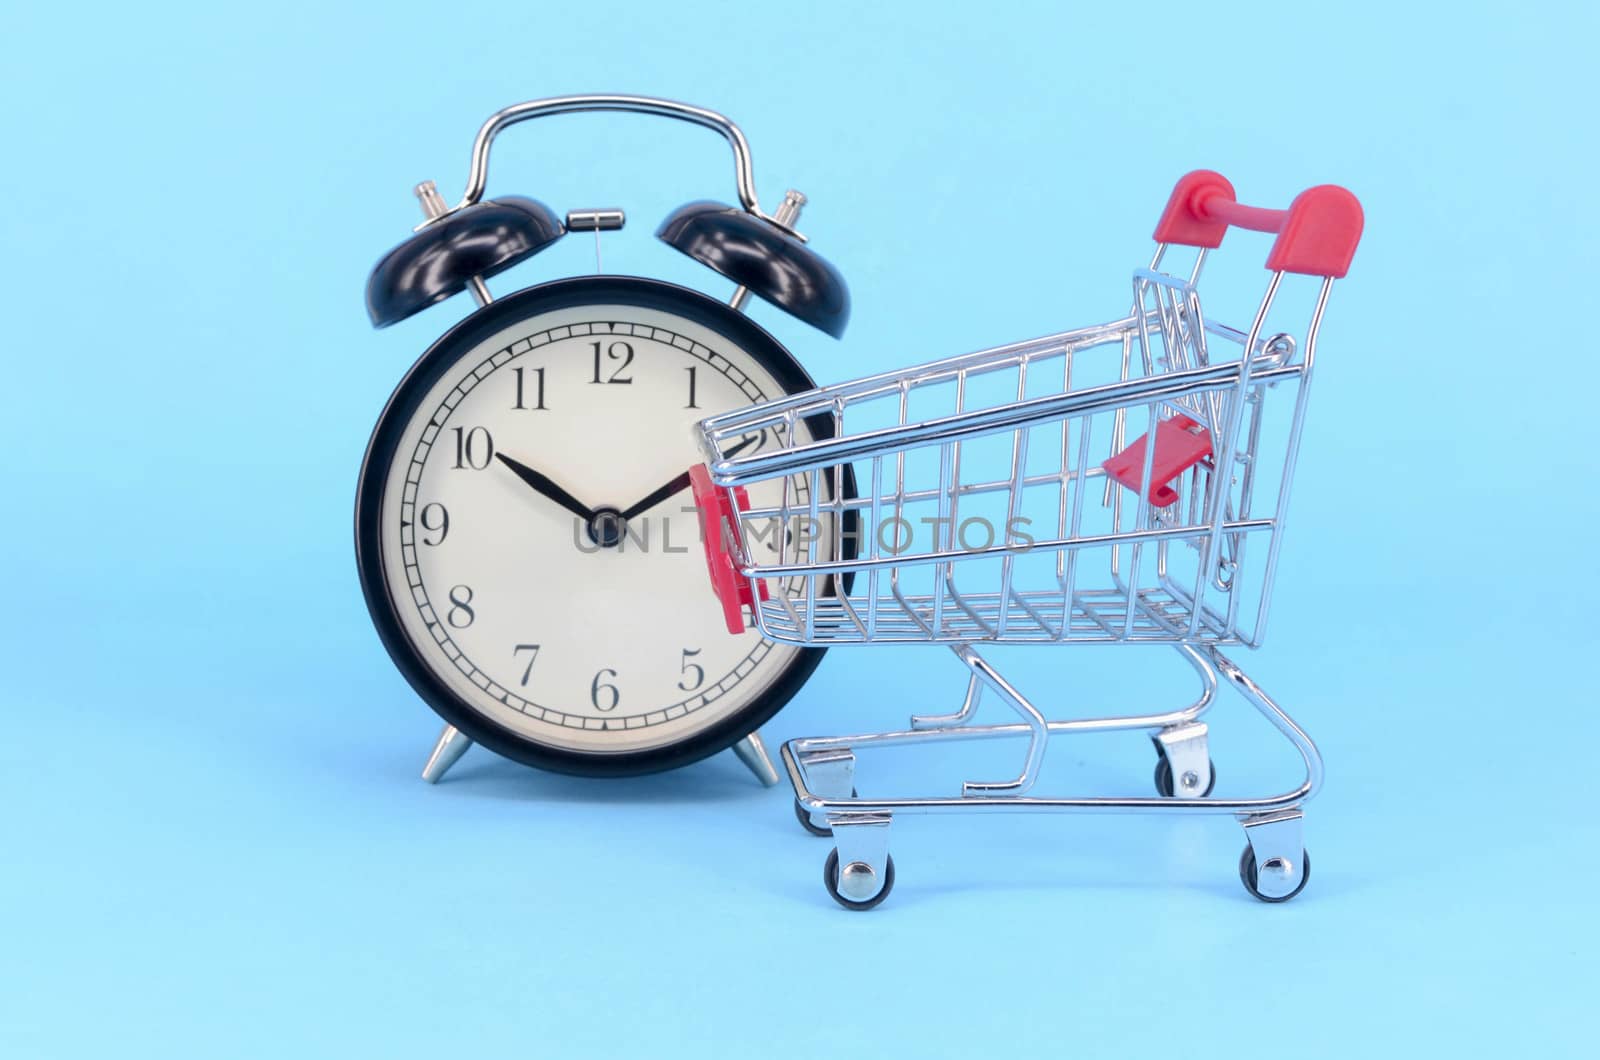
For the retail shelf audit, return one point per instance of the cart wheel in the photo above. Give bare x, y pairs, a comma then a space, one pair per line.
805, 818
1247, 874
1164, 786
830, 880
805, 821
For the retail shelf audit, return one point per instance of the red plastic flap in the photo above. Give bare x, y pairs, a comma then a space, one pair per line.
716, 511
1180, 444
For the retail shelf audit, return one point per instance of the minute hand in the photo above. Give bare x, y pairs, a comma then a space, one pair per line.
662, 492
547, 486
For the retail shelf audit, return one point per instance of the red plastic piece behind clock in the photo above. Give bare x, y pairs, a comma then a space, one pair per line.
717, 510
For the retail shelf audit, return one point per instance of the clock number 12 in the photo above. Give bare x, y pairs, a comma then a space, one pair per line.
617, 351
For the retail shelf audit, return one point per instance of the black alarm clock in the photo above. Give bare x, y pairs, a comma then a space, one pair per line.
525, 534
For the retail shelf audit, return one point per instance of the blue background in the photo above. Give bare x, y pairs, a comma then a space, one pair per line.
214, 840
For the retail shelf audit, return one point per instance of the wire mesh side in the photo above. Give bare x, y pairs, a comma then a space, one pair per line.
990, 516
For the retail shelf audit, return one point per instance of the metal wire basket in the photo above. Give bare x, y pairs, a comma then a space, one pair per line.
999, 500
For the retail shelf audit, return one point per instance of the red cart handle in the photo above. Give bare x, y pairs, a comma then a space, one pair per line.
1317, 234
716, 511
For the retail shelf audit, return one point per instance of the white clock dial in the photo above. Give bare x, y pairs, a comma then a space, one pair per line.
509, 564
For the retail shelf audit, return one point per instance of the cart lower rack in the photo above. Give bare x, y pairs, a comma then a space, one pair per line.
1124, 483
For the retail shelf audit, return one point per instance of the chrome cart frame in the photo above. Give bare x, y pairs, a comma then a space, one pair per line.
1186, 522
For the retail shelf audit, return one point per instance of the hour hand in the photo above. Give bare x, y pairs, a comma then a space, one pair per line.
547, 486
667, 489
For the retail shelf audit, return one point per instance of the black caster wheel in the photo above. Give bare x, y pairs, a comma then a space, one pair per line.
1164, 786
805, 818
1247, 874
830, 880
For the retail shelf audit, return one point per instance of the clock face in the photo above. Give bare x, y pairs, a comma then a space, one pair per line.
537, 548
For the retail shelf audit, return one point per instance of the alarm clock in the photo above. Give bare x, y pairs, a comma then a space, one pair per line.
525, 533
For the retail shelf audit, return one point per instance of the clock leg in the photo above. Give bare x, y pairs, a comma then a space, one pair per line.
446, 753
753, 753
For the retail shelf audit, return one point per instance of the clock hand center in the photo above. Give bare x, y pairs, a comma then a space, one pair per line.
608, 527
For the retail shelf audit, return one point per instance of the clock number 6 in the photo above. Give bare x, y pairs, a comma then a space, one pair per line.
689, 684
613, 697
617, 351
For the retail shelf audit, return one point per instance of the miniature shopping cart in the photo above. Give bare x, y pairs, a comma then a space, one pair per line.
1118, 484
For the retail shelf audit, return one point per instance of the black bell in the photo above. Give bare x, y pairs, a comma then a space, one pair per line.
764, 258
479, 240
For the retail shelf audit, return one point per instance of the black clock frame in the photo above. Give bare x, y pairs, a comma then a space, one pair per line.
403, 404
